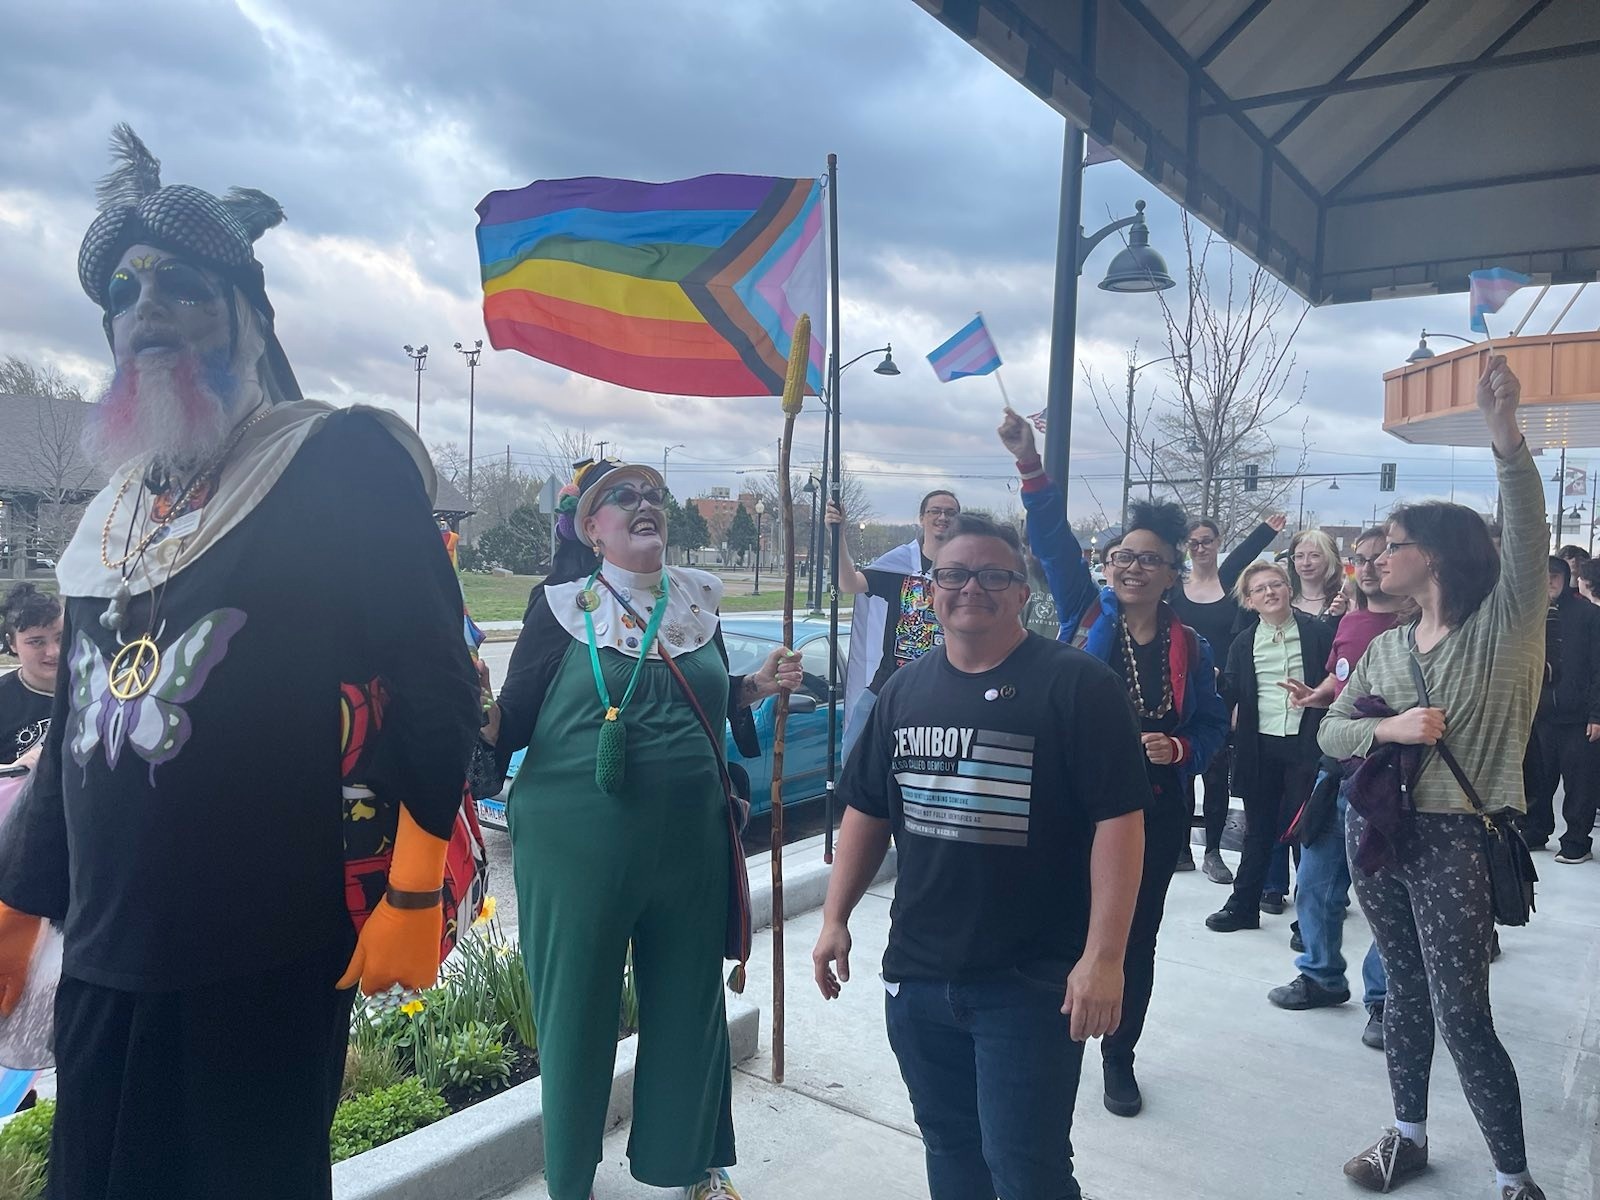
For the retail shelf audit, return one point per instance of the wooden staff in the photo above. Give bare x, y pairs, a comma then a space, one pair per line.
793, 395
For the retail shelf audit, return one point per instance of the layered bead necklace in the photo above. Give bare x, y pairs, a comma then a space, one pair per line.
1134, 689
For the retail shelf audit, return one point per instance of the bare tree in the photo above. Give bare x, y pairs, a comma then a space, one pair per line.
450, 460
563, 447
66, 476
852, 493
19, 377
1228, 392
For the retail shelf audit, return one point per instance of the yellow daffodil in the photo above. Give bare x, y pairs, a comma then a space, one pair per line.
412, 1007
487, 914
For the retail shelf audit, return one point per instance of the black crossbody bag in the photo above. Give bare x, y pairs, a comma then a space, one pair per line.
1511, 873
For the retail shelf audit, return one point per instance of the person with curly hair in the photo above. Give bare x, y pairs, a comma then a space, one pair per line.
1170, 678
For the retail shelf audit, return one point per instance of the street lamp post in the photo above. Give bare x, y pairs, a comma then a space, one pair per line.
1333, 486
472, 355
1136, 268
666, 450
813, 551
1127, 444
419, 363
1422, 353
761, 508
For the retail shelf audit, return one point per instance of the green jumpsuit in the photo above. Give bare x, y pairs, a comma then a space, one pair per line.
594, 871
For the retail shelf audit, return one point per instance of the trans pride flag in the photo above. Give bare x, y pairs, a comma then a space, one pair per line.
691, 288
970, 351
1489, 289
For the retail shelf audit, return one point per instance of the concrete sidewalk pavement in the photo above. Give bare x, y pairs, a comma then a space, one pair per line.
1242, 1100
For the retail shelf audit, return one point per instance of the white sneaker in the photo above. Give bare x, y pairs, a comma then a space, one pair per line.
715, 1186
1571, 859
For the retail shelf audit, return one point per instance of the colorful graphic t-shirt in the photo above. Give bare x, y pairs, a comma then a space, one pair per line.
911, 629
992, 784
24, 717
1351, 639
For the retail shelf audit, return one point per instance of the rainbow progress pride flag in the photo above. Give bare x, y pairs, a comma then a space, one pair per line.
691, 288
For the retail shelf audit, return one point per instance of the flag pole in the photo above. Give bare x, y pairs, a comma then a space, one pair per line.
837, 489
997, 377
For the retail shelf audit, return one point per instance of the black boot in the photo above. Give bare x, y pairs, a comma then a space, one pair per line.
1122, 1089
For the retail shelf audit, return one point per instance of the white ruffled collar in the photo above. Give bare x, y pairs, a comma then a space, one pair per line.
689, 622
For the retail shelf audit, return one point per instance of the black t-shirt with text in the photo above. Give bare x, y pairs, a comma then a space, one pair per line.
992, 784
24, 717
911, 629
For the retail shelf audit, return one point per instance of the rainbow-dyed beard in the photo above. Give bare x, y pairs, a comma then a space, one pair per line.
173, 410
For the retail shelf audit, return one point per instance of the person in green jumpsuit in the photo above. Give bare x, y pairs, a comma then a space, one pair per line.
619, 834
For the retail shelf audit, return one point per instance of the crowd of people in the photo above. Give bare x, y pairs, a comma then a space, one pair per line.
1040, 784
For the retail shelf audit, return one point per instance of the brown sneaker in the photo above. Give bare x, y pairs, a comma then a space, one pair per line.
1383, 1165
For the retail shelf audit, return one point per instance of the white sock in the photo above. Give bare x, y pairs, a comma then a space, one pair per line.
1413, 1131
1503, 1180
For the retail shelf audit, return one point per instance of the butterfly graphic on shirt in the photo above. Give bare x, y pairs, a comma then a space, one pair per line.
154, 723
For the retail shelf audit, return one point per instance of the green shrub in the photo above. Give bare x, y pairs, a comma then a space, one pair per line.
473, 1058
21, 1173
30, 1130
369, 1067
382, 1116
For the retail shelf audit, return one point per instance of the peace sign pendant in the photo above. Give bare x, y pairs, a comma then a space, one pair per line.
133, 670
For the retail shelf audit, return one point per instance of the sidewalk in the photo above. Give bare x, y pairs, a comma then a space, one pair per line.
1242, 1101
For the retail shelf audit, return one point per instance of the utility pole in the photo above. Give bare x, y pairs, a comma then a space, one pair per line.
602, 452
419, 363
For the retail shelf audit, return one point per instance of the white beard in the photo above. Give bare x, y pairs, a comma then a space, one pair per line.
164, 410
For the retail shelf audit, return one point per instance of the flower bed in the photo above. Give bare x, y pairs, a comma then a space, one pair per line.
470, 1037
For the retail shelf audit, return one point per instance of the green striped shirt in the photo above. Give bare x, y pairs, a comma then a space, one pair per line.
1484, 675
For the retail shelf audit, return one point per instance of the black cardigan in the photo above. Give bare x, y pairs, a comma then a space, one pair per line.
1239, 690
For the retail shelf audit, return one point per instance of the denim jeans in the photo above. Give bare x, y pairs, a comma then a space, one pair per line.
1320, 905
993, 1077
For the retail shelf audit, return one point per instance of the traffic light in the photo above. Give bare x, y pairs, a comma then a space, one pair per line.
1386, 473
1251, 470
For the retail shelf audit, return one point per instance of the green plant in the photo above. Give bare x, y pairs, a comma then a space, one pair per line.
472, 1058
22, 1173
630, 994
370, 1067
487, 973
382, 1116
30, 1130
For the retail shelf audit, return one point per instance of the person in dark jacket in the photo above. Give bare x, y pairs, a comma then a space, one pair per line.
1561, 748
1171, 679
1275, 743
1204, 602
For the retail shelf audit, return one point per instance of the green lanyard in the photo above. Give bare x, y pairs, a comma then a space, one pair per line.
611, 752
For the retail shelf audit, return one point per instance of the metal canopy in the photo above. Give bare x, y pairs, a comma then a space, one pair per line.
1358, 150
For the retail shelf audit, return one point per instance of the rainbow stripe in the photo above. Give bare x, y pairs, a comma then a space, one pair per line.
691, 288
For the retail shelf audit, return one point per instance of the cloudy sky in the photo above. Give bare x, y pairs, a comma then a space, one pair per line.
379, 126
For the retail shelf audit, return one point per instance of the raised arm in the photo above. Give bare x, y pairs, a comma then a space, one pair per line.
1050, 536
1521, 593
1247, 551
851, 581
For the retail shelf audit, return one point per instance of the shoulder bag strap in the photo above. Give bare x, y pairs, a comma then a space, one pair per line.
1444, 750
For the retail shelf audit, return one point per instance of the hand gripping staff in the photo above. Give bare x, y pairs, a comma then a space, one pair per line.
399, 943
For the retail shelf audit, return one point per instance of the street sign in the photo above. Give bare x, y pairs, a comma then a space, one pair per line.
547, 496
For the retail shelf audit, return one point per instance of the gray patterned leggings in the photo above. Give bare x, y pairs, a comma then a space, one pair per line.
1432, 917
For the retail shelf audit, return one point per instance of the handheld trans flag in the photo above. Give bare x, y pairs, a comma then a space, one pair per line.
969, 352
1489, 290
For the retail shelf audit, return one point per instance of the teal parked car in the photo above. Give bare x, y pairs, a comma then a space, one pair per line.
805, 768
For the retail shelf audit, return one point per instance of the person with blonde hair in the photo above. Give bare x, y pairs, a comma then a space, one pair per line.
1318, 576
1275, 743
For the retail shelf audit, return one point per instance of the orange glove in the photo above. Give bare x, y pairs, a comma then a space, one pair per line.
19, 934
400, 941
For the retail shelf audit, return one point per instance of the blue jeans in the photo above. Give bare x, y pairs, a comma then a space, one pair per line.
1278, 870
993, 1077
1320, 905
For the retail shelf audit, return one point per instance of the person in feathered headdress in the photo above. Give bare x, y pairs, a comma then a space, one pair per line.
258, 748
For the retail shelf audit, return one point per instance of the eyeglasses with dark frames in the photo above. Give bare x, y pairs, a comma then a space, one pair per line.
1148, 559
628, 498
990, 579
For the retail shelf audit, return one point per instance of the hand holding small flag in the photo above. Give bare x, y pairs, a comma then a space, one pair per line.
1489, 289
1017, 436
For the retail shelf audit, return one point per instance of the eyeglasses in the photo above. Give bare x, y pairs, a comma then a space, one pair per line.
947, 513
1148, 559
1391, 547
1361, 561
628, 498
990, 579
1273, 585
1202, 543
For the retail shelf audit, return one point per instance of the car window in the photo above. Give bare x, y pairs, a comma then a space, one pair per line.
746, 653
814, 662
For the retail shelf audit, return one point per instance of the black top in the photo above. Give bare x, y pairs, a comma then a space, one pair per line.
993, 804
1240, 689
1152, 669
1572, 651
24, 717
1217, 620
911, 629
197, 832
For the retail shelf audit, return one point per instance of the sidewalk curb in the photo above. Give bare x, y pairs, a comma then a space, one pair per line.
494, 1146
805, 880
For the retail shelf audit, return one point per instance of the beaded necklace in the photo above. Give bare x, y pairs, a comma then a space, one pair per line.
1134, 690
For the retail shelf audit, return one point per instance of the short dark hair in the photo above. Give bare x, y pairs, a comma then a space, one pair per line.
26, 606
1572, 553
1560, 566
1375, 532
1589, 572
1457, 543
1163, 518
1205, 523
923, 507
975, 525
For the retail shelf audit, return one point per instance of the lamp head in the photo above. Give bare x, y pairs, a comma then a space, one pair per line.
1334, 486
887, 367
1421, 353
1136, 267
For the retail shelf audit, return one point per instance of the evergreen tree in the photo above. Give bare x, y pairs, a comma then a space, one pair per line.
741, 534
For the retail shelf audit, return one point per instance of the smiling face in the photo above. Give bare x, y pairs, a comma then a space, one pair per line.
970, 611
1266, 592
1139, 585
939, 512
39, 649
634, 538
1311, 564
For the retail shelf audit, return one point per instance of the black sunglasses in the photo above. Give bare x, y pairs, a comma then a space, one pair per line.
628, 498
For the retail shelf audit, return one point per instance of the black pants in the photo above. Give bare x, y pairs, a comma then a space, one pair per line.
1214, 807
1557, 754
1166, 829
1284, 777
223, 1090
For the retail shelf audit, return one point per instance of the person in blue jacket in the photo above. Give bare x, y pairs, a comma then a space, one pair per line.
1172, 684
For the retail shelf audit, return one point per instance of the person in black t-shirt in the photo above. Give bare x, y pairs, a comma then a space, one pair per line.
900, 580
30, 628
1009, 771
